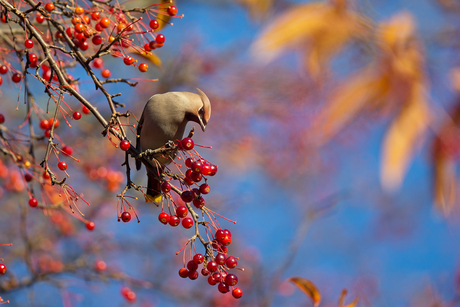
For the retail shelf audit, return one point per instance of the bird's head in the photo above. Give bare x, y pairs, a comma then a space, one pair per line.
201, 111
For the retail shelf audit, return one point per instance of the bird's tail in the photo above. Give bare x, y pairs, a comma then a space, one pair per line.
153, 188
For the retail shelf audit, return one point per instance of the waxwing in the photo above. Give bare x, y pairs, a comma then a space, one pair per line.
164, 119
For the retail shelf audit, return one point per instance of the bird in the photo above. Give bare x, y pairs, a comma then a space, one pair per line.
163, 120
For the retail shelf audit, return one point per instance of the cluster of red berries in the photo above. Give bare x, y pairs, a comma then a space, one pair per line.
15, 77
216, 267
46, 124
128, 294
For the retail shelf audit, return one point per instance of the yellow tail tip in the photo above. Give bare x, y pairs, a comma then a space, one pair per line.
153, 199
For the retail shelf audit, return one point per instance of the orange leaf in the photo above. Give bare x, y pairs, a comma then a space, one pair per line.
322, 27
342, 300
346, 103
403, 137
258, 9
308, 288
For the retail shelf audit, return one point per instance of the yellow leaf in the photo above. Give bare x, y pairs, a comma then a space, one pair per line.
308, 288
342, 300
163, 19
258, 9
318, 29
151, 57
346, 103
402, 139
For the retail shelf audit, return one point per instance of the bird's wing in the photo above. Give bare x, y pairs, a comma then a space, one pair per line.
138, 142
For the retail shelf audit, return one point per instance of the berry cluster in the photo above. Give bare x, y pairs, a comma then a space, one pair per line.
216, 261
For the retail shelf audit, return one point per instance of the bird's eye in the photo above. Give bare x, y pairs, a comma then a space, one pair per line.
201, 110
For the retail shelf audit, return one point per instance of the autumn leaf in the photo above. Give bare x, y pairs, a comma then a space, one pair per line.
308, 288
150, 56
342, 300
403, 138
163, 18
320, 30
258, 9
354, 95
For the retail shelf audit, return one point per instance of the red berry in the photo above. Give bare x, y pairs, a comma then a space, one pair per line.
79, 27
28, 177
205, 188
154, 24
40, 18
28, 43
97, 40
197, 166
100, 265
183, 272
187, 196
2, 268
143, 67
130, 296
79, 10
85, 110
16, 77
192, 266
212, 266
220, 259
172, 10
45, 124
163, 217
129, 60
174, 220
76, 115
220, 234
126, 217
105, 23
147, 47
33, 202
211, 280
199, 202
56, 124
2, 118
223, 288
165, 187
33, 58
196, 177
84, 45
49, 7
48, 133
160, 39
198, 258
153, 45
204, 272
187, 144
106, 73
227, 232
231, 262
193, 275
95, 15
231, 280
90, 226
206, 169
67, 150
3, 69
189, 162
226, 240
213, 170
46, 176
181, 211
237, 293
62, 166
1, 80
125, 145
187, 223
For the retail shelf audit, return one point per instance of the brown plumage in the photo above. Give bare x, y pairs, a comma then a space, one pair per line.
164, 119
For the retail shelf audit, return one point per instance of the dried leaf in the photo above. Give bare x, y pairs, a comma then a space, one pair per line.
151, 57
342, 300
444, 182
163, 19
323, 28
402, 139
258, 9
308, 288
354, 95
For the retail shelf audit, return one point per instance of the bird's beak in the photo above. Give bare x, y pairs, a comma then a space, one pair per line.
203, 126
